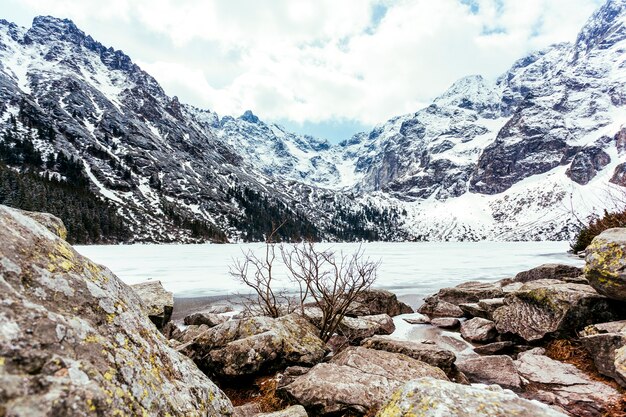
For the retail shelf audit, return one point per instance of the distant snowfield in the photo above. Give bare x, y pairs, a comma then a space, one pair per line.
406, 268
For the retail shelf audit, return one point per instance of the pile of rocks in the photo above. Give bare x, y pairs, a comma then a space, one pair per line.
76, 341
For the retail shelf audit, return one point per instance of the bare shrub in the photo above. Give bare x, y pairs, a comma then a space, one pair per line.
330, 281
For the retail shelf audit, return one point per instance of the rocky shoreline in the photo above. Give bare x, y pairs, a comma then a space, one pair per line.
76, 341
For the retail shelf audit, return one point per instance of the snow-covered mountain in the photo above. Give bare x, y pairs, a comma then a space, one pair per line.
522, 157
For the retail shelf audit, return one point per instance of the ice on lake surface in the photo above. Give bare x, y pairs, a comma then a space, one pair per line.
406, 268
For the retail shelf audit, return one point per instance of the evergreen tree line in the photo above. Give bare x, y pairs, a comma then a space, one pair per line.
262, 216
199, 229
87, 217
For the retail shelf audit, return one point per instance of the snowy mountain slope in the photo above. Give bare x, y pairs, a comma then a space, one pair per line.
523, 157
162, 163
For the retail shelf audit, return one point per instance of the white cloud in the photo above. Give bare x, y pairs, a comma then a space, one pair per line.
313, 61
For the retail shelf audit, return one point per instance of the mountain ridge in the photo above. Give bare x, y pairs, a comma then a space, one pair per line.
523, 157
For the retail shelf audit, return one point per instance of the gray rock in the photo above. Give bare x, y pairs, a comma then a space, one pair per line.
548, 271
247, 410
157, 301
609, 327
425, 352
439, 308
357, 380
494, 348
359, 328
446, 322
564, 385
478, 330
497, 369
47, 220
75, 340
604, 348
376, 301
606, 263
543, 307
252, 345
491, 304
417, 320
474, 310
427, 397
470, 292
208, 319
191, 332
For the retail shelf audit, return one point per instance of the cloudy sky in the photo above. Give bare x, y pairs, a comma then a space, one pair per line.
323, 67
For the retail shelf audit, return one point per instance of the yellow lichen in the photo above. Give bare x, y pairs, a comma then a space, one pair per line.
2, 361
91, 405
109, 375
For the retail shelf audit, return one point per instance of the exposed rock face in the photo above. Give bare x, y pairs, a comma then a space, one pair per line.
543, 307
427, 397
478, 330
425, 352
548, 271
208, 319
157, 301
74, 325
375, 301
564, 385
606, 264
253, 410
252, 345
498, 369
586, 164
357, 380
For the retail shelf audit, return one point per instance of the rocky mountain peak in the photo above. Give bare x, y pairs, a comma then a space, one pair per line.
474, 93
249, 117
605, 28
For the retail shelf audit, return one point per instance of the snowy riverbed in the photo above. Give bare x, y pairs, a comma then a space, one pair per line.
415, 269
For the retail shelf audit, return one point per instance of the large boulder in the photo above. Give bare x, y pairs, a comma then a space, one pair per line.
47, 220
427, 397
376, 301
564, 385
254, 345
605, 267
357, 381
157, 301
478, 330
425, 352
551, 308
497, 369
74, 339
359, 328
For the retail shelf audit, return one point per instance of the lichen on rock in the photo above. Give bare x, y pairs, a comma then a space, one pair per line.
74, 340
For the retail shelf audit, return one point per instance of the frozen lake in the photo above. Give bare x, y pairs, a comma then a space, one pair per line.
415, 269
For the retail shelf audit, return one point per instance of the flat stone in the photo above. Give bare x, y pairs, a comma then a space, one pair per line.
604, 348
446, 322
474, 310
425, 352
564, 385
496, 369
208, 319
494, 348
549, 271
